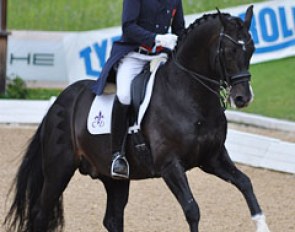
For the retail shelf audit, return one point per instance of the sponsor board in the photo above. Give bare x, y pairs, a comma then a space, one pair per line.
68, 57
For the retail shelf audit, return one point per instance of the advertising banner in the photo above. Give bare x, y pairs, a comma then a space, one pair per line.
36, 55
272, 28
87, 52
82, 55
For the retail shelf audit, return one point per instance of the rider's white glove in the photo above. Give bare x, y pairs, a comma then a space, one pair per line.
166, 41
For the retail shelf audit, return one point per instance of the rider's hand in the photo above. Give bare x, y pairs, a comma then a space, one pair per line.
166, 41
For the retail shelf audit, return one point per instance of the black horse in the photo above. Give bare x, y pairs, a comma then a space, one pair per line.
185, 127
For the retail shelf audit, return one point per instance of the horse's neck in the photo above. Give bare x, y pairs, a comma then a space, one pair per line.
194, 53
198, 50
180, 89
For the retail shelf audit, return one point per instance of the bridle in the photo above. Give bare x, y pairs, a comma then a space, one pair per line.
227, 80
234, 79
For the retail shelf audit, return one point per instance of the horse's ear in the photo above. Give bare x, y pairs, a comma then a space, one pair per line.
221, 17
248, 17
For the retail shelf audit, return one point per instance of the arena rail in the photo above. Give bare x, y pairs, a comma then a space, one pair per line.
246, 148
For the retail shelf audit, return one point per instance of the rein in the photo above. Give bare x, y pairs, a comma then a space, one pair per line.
198, 77
222, 94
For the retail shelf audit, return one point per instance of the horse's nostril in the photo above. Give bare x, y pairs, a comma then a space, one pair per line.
240, 101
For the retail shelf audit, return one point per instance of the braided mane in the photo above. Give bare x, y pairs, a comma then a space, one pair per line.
198, 22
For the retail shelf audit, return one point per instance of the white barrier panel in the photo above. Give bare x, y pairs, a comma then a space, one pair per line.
23, 111
261, 151
72, 56
246, 148
259, 121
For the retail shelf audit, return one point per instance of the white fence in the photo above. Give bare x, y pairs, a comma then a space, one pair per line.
246, 148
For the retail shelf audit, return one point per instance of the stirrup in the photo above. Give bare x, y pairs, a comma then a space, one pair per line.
119, 175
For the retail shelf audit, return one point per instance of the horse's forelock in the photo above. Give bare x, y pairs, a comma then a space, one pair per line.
237, 25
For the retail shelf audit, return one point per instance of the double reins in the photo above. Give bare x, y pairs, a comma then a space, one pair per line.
198, 77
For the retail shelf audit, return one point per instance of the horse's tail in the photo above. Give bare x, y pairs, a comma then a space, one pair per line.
27, 187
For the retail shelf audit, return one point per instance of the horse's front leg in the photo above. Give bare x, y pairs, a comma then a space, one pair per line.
176, 179
223, 167
117, 198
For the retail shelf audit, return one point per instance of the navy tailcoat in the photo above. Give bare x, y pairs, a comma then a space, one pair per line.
141, 21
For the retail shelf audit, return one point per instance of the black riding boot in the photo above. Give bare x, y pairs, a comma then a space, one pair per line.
120, 166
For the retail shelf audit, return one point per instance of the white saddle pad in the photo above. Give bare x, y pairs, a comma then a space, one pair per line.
99, 117
100, 114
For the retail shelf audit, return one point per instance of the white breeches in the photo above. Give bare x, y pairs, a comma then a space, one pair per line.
129, 66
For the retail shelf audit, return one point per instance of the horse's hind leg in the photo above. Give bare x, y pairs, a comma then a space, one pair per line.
117, 198
58, 170
223, 167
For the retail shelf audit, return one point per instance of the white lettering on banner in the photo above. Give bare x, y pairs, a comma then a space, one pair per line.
82, 55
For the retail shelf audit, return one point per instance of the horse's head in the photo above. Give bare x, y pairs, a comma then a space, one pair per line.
235, 50
215, 49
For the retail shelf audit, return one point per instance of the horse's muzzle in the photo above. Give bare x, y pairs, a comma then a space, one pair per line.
241, 94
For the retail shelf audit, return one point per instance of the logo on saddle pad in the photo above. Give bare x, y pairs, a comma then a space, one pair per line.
100, 114
99, 117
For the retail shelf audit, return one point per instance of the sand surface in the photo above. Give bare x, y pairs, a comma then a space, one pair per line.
152, 207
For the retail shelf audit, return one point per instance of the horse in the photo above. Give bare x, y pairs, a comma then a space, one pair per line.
185, 127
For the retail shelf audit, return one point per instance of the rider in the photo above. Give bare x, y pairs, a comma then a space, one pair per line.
148, 27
